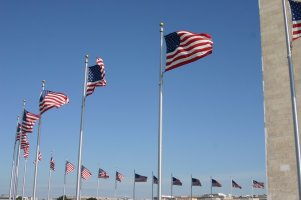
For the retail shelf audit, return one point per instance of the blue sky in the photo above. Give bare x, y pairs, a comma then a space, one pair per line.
213, 121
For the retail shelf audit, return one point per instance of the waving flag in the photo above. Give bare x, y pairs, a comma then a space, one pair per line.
155, 180
102, 173
176, 181
28, 121
85, 173
184, 47
195, 182
119, 176
51, 99
69, 167
215, 183
139, 178
26, 151
96, 76
235, 185
52, 164
257, 184
296, 18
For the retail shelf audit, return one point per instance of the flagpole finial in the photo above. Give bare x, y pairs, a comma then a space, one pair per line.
43, 84
161, 24
24, 102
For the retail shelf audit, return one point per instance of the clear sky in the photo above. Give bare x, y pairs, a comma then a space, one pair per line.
213, 121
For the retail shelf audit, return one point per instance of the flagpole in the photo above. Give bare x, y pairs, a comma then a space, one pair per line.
13, 162
134, 187
115, 187
160, 116
37, 150
191, 187
97, 187
252, 185
24, 177
49, 178
171, 187
231, 185
79, 163
211, 185
152, 185
293, 99
64, 190
18, 159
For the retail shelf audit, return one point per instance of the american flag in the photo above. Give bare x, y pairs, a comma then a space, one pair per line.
69, 167
139, 178
102, 173
51, 99
257, 184
235, 185
195, 182
26, 151
296, 18
155, 180
18, 132
184, 47
29, 119
85, 173
22, 134
119, 176
52, 164
215, 183
96, 76
176, 181
39, 157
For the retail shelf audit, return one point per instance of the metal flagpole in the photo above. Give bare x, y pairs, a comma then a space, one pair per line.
64, 191
152, 185
37, 151
171, 183
97, 188
13, 162
49, 178
115, 187
160, 116
293, 99
24, 177
18, 159
79, 163
252, 185
134, 187
191, 187
211, 185
231, 187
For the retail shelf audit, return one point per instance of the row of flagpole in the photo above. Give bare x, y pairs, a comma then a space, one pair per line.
177, 56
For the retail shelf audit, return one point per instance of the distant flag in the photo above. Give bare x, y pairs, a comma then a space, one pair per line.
102, 173
235, 185
39, 158
155, 180
176, 181
96, 76
85, 173
119, 176
26, 151
195, 182
49, 99
18, 132
69, 167
28, 121
139, 178
52, 164
184, 47
257, 184
215, 183
296, 18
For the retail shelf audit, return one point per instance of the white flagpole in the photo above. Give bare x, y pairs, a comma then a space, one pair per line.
171, 183
64, 191
211, 185
24, 178
79, 163
18, 160
231, 187
293, 99
252, 185
160, 116
49, 178
191, 187
152, 185
115, 187
37, 151
97, 188
134, 186
13, 162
